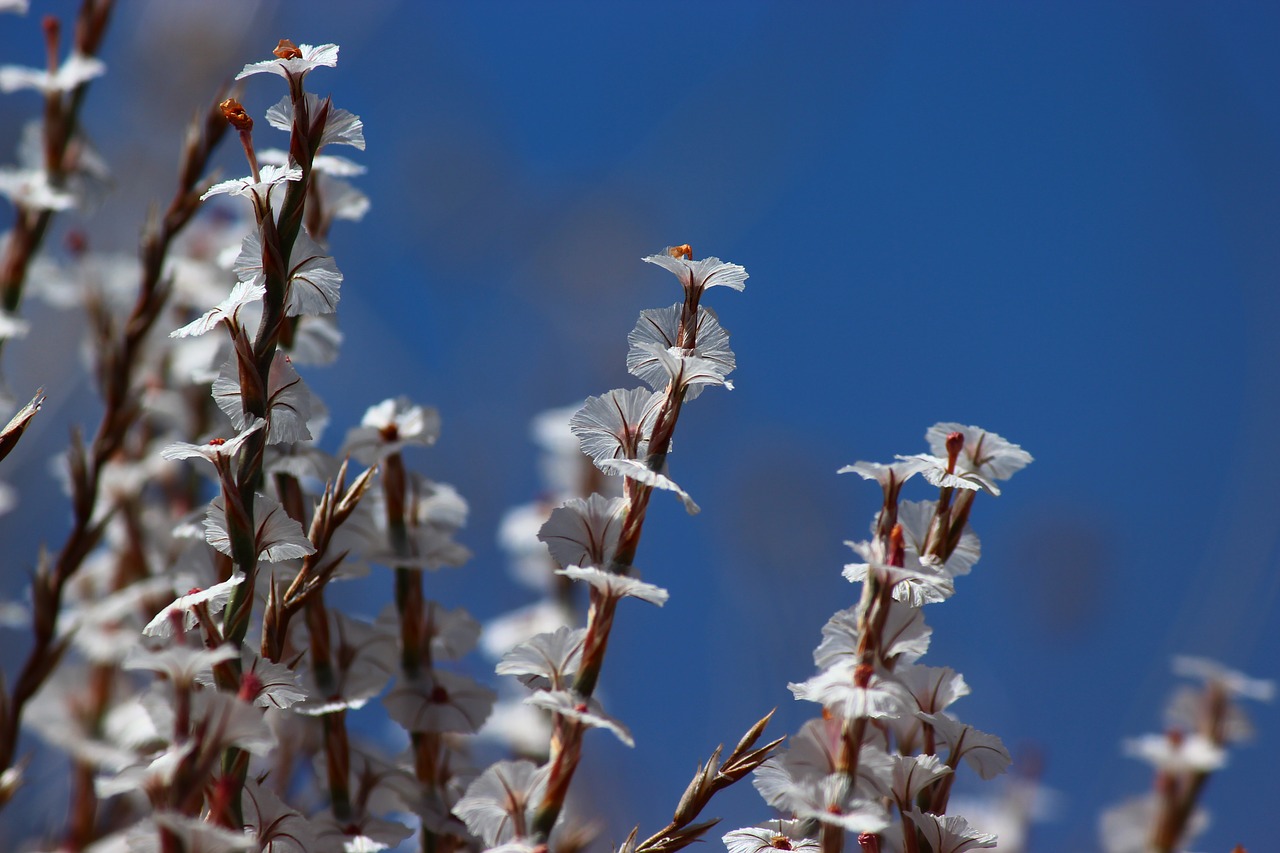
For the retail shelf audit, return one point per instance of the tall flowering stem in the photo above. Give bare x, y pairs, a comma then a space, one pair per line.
678, 359
120, 412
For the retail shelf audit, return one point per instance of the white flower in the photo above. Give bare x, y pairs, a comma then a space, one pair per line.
75, 70
616, 425
438, 701
934, 688
277, 536
950, 833
1235, 683
890, 477
215, 598
985, 753
274, 827
828, 799
984, 453
618, 586
389, 427
697, 276
1193, 753
32, 189
549, 659
837, 691
182, 664
584, 533
216, 450
308, 57
268, 177
642, 473
290, 403
781, 835
685, 371
905, 636
313, 278
659, 327
911, 774
915, 583
243, 293
364, 658
586, 710
498, 806
341, 127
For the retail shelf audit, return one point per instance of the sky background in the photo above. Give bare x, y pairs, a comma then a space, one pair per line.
1057, 221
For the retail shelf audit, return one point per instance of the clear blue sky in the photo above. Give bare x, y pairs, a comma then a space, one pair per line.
1055, 220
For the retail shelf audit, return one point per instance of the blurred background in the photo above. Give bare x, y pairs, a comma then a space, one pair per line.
1057, 221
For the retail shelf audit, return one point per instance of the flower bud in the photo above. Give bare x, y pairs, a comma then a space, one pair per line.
287, 50
233, 111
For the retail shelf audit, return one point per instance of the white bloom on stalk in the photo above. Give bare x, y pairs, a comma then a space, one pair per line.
365, 657
438, 701
290, 403
197, 835
313, 279
216, 450
617, 424
905, 637
229, 721
841, 692
686, 372
911, 774
950, 833
309, 57
32, 189
278, 684
915, 583
389, 427
274, 826
985, 454
499, 805
243, 293
642, 473
547, 661
1233, 682
277, 536
617, 586
781, 835
915, 518
1176, 753
182, 664
586, 710
933, 687
260, 188
341, 127
584, 532
697, 276
75, 70
660, 328
828, 799
985, 753
214, 598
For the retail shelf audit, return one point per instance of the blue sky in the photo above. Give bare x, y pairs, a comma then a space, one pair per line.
1055, 220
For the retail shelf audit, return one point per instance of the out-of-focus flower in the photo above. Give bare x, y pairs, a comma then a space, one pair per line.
73, 71
390, 427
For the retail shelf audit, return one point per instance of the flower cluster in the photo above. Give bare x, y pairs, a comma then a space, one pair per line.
880, 762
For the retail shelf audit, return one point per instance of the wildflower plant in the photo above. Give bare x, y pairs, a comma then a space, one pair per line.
188, 646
